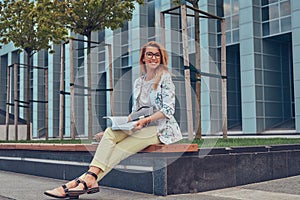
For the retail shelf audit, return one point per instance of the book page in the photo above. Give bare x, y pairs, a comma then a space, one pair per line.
120, 123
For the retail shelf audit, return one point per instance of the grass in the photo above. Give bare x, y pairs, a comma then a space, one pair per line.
202, 143
66, 141
234, 142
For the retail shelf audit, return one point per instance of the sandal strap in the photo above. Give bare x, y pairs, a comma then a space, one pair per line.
77, 181
93, 174
84, 184
66, 190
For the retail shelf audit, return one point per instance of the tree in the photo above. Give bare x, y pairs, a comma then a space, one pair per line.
195, 4
198, 66
30, 25
86, 16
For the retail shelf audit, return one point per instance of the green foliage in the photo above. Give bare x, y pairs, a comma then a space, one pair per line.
31, 25
234, 142
86, 16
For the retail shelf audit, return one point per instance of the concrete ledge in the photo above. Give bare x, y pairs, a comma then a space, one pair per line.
161, 148
158, 170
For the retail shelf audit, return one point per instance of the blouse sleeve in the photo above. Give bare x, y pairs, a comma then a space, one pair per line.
167, 95
136, 90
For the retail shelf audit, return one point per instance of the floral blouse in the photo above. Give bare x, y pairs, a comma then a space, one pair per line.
162, 99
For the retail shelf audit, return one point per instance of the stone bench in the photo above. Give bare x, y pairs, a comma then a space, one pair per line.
158, 148
159, 169
143, 172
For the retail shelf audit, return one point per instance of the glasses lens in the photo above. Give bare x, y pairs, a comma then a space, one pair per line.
149, 54
157, 55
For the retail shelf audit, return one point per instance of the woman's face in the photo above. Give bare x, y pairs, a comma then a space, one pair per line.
152, 58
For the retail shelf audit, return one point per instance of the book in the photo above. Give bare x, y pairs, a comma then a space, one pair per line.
121, 123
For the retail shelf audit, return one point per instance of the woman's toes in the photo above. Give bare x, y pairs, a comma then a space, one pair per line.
55, 193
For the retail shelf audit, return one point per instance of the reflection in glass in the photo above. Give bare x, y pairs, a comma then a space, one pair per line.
266, 29
235, 21
235, 36
273, 12
264, 2
286, 24
265, 14
235, 6
274, 26
228, 37
228, 23
227, 7
285, 8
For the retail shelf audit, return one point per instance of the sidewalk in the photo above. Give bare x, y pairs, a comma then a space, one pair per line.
26, 187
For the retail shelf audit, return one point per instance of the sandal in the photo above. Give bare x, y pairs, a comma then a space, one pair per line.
66, 190
75, 193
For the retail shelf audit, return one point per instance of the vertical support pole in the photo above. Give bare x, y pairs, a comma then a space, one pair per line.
163, 34
224, 78
46, 105
72, 92
89, 85
28, 97
62, 95
111, 85
198, 75
16, 101
7, 102
187, 71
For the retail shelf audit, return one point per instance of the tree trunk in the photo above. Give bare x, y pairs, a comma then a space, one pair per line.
7, 103
198, 66
16, 97
62, 95
90, 113
28, 96
47, 103
73, 130
187, 72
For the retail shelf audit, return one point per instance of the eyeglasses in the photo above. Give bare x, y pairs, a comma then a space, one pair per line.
150, 55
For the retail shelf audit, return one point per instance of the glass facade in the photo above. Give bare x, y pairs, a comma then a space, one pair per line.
276, 16
229, 9
261, 73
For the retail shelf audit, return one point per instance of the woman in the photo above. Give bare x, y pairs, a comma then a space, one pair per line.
154, 88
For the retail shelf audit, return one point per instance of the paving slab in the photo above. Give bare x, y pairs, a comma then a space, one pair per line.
16, 186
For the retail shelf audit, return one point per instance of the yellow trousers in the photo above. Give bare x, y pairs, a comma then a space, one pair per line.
115, 146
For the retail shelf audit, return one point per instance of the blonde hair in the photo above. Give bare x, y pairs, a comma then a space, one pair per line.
163, 62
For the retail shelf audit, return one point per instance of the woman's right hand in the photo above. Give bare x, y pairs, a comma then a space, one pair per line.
142, 123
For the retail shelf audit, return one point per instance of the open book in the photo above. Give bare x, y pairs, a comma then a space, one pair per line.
121, 123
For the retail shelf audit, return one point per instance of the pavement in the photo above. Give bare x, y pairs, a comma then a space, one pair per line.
16, 186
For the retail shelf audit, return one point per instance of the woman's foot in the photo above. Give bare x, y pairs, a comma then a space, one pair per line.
62, 191
88, 185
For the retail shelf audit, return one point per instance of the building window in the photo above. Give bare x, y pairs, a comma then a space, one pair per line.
276, 16
230, 10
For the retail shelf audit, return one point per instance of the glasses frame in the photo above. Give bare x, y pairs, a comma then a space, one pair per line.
150, 55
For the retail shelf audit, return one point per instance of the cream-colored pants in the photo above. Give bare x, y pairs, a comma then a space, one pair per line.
115, 146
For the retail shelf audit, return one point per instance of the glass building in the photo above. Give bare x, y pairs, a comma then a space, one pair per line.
263, 69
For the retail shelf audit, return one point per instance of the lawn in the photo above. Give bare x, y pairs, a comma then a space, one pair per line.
234, 142
202, 143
